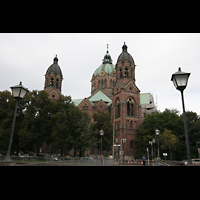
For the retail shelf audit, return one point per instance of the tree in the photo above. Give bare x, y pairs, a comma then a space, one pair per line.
168, 140
85, 139
102, 121
193, 123
172, 121
169, 119
36, 124
7, 107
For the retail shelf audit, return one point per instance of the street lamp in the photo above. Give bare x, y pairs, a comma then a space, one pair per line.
157, 133
18, 93
180, 80
154, 141
101, 133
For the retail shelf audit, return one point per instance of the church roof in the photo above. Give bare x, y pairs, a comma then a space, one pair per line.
146, 98
95, 98
100, 96
125, 55
76, 101
106, 65
54, 68
107, 68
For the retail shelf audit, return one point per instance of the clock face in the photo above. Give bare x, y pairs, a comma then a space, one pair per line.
102, 73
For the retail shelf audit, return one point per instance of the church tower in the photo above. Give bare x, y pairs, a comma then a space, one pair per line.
126, 102
104, 76
53, 80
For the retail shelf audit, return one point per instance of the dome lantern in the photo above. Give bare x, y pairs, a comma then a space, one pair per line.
107, 57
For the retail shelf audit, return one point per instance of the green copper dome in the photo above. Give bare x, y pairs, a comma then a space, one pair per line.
106, 65
107, 68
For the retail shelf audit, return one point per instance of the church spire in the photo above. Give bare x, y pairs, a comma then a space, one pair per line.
55, 60
107, 57
124, 48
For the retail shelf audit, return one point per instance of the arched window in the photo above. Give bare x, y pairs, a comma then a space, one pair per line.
120, 73
57, 83
99, 84
51, 82
131, 125
118, 108
131, 144
102, 84
130, 107
126, 72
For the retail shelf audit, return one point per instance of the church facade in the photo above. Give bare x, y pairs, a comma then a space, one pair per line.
113, 90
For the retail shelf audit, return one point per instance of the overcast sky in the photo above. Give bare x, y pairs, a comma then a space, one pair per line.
26, 57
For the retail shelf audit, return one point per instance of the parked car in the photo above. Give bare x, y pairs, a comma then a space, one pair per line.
87, 158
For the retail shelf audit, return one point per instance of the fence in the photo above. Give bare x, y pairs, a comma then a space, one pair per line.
92, 162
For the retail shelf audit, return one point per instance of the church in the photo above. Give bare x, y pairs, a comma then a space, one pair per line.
113, 90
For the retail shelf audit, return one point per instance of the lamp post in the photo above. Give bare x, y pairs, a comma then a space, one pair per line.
151, 143
157, 133
18, 93
198, 143
180, 80
101, 133
154, 141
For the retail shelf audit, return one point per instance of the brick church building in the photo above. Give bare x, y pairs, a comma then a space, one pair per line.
113, 90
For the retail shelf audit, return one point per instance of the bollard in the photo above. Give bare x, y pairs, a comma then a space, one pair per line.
102, 161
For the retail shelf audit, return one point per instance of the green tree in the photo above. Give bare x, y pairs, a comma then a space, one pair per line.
173, 121
169, 119
102, 121
36, 124
85, 138
7, 107
193, 123
168, 140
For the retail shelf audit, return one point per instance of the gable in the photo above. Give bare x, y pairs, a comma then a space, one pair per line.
131, 87
101, 105
100, 96
85, 105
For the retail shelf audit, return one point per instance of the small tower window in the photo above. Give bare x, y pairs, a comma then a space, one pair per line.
51, 82
120, 73
126, 72
56, 84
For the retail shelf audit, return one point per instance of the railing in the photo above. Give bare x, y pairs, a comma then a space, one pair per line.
92, 162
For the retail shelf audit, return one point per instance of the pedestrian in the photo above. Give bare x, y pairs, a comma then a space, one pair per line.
144, 160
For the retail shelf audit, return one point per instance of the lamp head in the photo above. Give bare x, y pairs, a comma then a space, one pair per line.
180, 79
